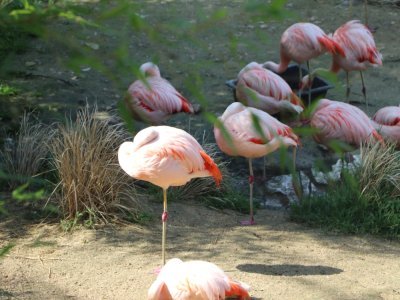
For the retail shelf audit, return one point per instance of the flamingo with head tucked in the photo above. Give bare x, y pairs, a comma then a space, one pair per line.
195, 280
339, 121
387, 122
251, 141
260, 88
154, 100
360, 51
302, 42
166, 156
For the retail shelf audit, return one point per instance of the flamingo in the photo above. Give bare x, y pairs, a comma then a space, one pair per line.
387, 122
154, 100
360, 51
343, 122
260, 88
300, 43
166, 156
195, 280
249, 141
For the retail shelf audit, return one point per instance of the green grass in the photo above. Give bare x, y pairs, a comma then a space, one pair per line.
367, 202
7, 90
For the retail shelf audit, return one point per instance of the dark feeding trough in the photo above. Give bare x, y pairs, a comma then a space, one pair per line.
319, 87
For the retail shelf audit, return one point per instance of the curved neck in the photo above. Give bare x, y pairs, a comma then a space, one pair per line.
274, 67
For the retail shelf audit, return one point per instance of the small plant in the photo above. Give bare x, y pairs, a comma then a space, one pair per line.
25, 155
7, 90
91, 187
367, 201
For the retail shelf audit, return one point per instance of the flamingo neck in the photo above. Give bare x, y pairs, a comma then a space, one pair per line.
335, 67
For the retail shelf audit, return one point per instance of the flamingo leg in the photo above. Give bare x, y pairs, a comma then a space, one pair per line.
366, 12
300, 78
296, 179
264, 166
310, 82
347, 87
364, 91
251, 182
164, 223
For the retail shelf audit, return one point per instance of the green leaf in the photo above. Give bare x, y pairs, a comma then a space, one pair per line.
19, 193
6, 249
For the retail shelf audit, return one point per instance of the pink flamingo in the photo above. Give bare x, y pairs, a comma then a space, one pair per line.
300, 43
166, 156
360, 51
338, 121
200, 280
387, 122
249, 140
260, 88
153, 100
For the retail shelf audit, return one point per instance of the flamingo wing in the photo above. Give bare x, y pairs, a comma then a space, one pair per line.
389, 115
159, 94
344, 122
359, 46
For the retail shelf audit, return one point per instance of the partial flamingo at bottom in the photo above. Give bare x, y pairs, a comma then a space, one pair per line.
195, 280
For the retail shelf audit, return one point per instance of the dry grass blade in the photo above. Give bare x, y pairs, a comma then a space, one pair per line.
25, 155
379, 170
91, 183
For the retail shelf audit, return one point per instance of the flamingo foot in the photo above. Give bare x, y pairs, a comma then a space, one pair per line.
157, 270
248, 222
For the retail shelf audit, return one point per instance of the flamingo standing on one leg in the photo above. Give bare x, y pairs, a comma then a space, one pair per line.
200, 280
360, 51
300, 43
154, 100
251, 141
387, 122
166, 156
260, 88
339, 121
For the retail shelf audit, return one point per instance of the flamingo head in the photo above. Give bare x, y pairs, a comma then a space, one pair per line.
150, 69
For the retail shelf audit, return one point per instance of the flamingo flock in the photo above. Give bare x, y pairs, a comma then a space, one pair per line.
166, 156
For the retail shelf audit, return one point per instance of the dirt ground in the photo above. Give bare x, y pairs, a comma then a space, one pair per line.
277, 258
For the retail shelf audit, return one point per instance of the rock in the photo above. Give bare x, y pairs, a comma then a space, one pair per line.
283, 184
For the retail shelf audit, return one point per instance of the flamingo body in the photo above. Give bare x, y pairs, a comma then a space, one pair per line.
260, 88
195, 280
359, 47
389, 115
154, 100
246, 140
166, 156
387, 122
341, 121
302, 42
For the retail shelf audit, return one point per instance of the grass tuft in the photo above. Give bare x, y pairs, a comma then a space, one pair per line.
25, 155
366, 202
91, 186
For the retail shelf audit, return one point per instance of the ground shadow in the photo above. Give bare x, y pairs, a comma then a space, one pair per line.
288, 270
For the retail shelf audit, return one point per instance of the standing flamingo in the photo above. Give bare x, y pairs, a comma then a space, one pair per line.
260, 88
387, 122
339, 121
166, 156
360, 51
251, 141
300, 43
153, 100
197, 280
